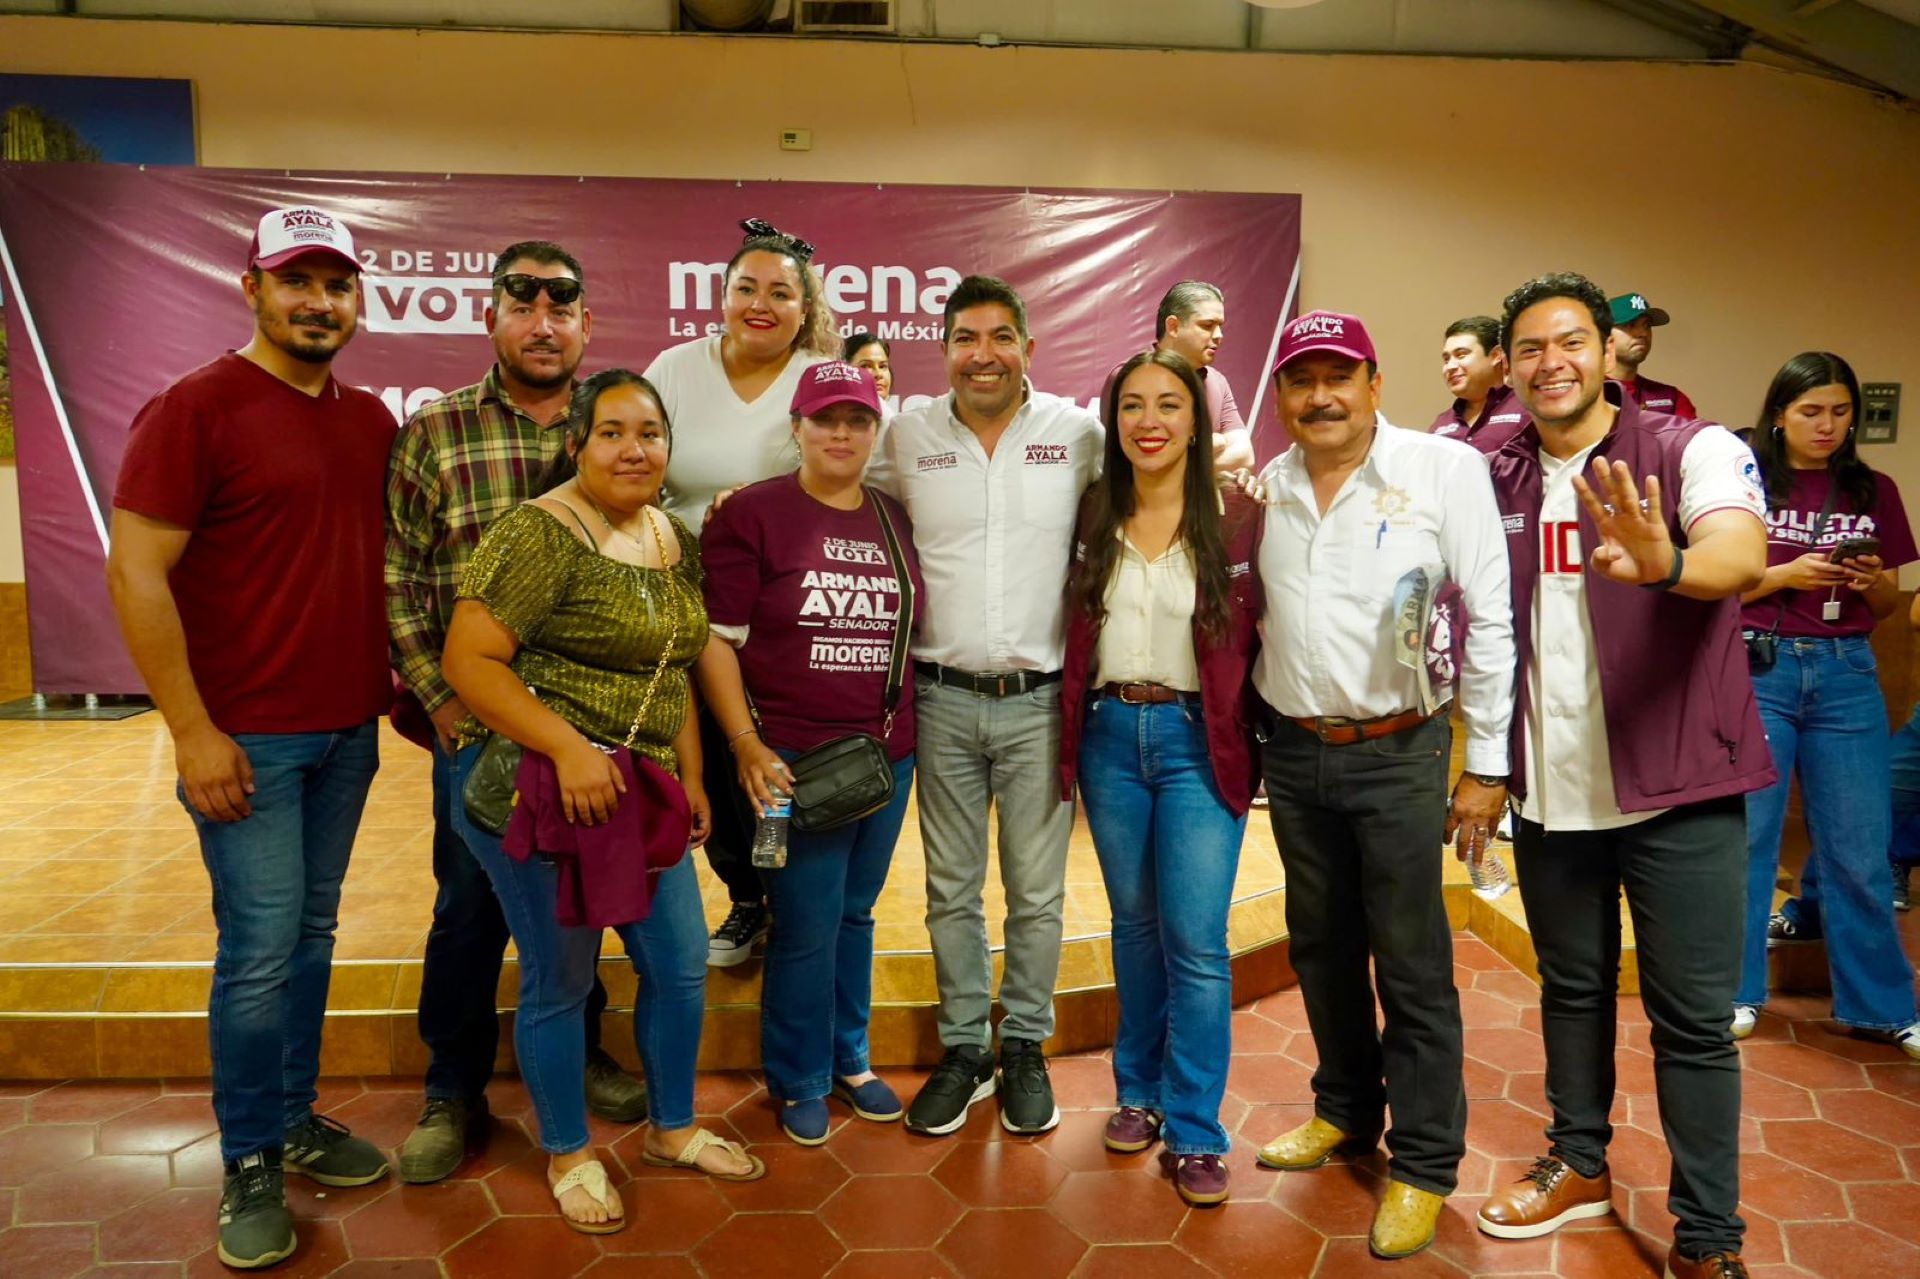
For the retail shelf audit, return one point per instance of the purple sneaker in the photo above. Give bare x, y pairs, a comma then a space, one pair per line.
1200, 1179
1132, 1129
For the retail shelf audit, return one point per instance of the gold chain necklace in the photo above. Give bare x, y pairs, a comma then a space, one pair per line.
646, 514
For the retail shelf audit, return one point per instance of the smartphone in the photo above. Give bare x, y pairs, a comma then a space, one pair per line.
1853, 548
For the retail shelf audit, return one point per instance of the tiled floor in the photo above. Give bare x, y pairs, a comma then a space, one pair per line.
118, 1180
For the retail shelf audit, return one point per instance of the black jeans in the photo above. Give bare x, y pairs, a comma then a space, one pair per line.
1359, 829
1684, 873
730, 846
459, 1016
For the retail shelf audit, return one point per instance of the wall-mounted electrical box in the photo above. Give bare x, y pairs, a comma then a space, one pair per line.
1879, 412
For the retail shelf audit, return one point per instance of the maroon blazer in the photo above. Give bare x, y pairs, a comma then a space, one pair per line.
1226, 686
1682, 723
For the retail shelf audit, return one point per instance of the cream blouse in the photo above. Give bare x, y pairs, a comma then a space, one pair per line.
1148, 635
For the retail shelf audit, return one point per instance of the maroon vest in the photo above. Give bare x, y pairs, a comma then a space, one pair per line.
1682, 725
1226, 691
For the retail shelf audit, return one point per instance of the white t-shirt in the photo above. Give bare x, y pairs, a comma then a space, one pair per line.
719, 440
1569, 769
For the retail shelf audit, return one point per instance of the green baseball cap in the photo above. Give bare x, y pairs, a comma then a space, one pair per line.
1629, 307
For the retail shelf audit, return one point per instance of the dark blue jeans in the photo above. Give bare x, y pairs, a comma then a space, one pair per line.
1169, 849
668, 949
459, 1016
276, 902
1825, 719
818, 989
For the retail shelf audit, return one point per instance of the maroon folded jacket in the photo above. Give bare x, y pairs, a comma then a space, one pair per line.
606, 871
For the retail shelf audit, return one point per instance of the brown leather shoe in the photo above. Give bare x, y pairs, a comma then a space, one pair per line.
1715, 1265
1545, 1199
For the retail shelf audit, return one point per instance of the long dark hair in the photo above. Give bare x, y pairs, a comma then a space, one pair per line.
1809, 371
586, 395
1112, 496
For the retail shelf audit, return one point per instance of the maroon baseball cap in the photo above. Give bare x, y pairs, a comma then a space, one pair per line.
286, 234
1324, 331
834, 382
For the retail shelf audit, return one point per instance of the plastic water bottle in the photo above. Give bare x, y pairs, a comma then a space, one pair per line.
1489, 874
770, 834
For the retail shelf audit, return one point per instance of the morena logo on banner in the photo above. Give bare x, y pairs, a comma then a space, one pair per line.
455, 304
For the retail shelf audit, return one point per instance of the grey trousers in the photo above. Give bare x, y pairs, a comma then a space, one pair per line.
974, 751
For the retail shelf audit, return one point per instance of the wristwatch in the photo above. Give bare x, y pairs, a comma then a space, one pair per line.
1487, 779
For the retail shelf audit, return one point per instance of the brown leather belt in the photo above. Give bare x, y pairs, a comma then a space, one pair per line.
1147, 694
1338, 730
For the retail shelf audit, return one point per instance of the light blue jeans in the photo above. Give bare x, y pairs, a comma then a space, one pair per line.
1825, 717
817, 993
276, 902
1169, 849
668, 949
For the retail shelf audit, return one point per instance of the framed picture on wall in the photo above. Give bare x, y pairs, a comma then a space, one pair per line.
87, 119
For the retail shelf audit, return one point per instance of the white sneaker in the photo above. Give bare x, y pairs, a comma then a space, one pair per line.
1909, 1040
1745, 1016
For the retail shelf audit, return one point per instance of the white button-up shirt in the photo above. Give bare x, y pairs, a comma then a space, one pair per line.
1328, 636
994, 534
1147, 637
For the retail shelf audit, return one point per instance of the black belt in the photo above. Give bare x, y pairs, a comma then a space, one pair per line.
1007, 685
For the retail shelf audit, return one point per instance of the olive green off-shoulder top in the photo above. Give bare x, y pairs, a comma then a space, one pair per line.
591, 628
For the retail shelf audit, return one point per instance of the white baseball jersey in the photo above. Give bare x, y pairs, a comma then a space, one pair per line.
1569, 770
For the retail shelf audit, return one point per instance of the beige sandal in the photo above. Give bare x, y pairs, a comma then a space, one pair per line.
690, 1158
591, 1177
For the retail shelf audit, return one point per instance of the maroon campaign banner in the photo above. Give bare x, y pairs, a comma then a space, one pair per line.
119, 279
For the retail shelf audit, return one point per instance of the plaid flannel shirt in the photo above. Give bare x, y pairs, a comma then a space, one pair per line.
458, 463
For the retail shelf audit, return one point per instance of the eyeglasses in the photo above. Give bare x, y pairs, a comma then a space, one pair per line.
761, 229
563, 289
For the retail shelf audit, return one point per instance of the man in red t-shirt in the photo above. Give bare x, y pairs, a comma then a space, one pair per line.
246, 572
1634, 320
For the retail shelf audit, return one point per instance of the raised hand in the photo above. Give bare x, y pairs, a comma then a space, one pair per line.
1635, 547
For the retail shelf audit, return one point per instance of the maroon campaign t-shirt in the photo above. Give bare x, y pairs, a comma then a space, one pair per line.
1501, 418
1790, 535
813, 586
280, 588
1662, 397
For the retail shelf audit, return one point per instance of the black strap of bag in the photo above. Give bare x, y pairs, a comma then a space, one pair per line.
903, 625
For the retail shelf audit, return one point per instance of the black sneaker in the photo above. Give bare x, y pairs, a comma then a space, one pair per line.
256, 1230
1026, 1094
732, 943
324, 1150
964, 1076
1902, 897
1784, 930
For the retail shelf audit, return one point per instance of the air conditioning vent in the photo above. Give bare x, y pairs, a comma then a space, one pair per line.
866, 17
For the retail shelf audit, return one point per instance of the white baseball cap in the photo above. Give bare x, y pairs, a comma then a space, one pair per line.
286, 234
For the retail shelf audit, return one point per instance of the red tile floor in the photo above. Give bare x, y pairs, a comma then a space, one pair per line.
120, 1180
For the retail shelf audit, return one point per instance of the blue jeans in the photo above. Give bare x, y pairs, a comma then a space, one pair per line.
1904, 765
1825, 717
668, 949
1169, 849
276, 902
818, 988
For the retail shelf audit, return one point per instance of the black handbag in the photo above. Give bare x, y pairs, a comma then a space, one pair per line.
850, 777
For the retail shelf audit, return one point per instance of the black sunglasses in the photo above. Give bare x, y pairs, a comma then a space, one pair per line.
761, 229
563, 289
